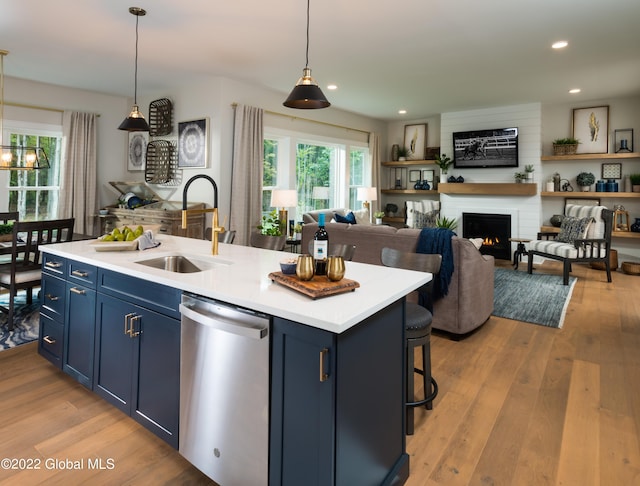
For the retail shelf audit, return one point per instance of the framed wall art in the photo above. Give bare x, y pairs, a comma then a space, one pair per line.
427, 175
591, 128
414, 175
193, 143
138, 142
415, 141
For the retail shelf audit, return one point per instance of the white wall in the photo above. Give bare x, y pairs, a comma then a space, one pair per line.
525, 211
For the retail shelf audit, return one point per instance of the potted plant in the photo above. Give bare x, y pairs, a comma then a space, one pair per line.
635, 182
520, 176
402, 153
585, 180
565, 146
270, 225
297, 231
528, 171
444, 222
378, 215
6, 232
444, 163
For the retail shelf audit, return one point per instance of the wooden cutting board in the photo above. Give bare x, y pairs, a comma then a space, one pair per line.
317, 287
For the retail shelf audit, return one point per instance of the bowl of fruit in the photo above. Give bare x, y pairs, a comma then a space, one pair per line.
121, 239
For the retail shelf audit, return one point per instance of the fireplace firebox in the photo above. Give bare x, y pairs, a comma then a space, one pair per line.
494, 229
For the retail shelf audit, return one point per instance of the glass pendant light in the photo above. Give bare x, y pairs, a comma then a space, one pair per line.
306, 95
135, 122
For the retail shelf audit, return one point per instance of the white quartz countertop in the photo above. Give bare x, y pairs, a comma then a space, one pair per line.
239, 275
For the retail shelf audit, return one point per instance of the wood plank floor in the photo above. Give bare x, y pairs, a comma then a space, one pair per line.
519, 404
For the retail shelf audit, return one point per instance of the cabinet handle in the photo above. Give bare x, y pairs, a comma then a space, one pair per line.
127, 329
133, 321
52, 297
48, 340
78, 291
323, 376
78, 273
53, 264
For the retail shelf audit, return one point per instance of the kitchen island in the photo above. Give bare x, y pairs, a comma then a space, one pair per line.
336, 410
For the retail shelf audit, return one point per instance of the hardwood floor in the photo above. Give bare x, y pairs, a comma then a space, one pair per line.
519, 404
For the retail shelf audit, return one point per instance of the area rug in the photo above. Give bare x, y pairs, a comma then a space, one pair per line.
26, 322
536, 298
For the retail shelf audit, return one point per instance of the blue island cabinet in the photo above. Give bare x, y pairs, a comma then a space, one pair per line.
137, 351
337, 409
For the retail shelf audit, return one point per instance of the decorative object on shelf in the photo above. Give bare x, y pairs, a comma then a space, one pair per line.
623, 140
612, 170
160, 121
611, 186
451, 179
428, 175
550, 186
431, 152
620, 218
635, 227
297, 231
556, 182
635, 182
138, 142
556, 220
378, 215
585, 180
460, 179
444, 163
626, 184
391, 209
601, 186
566, 186
565, 146
161, 162
193, 143
520, 177
306, 94
414, 176
394, 152
415, 140
400, 178
591, 126
135, 122
402, 154
528, 171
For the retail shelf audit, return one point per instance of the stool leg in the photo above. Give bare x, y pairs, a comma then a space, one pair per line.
410, 389
426, 377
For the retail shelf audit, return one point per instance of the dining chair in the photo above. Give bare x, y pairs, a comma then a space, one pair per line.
7, 218
337, 249
225, 237
418, 320
268, 242
24, 269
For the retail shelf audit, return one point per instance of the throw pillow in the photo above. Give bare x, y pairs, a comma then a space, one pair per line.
362, 216
573, 228
349, 218
477, 242
425, 220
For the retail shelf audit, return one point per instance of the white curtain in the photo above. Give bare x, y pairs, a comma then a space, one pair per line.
246, 175
78, 185
374, 150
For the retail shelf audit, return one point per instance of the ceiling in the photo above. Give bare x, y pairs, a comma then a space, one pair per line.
426, 56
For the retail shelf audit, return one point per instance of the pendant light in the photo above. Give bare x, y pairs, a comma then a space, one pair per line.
135, 122
306, 95
17, 157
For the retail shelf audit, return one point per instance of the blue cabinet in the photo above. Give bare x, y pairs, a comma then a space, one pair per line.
337, 409
137, 353
52, 310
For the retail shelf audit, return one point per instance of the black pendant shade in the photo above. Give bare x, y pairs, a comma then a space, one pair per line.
306, 95
135, 122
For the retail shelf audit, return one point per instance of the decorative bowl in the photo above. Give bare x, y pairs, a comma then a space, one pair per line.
288, 267
103, 212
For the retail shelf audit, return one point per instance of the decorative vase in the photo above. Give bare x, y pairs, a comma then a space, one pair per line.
556, 220
395, 148
418, 185
425, 185
378, 220
585, 188
451, 179
635, 188
460, 179
627, 184
635, 227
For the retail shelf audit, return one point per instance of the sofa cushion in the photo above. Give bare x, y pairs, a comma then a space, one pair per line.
561, 249
425, 220
348, 218
424, 206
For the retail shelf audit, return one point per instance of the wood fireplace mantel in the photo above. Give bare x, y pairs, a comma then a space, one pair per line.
488, 188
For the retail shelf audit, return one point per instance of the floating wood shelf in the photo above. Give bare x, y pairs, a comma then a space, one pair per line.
489, 188
407, 163
591, 194
408, 191
614, 234
620, 155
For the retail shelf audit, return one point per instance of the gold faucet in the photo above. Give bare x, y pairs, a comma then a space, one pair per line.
215, 230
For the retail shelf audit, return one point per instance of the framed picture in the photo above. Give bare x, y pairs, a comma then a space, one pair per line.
414, 175
612, 170
193, 143
591, 128
138, 142
427, 175
415, 141
431, 152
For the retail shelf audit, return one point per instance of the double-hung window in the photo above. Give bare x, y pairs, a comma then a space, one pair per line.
33, 193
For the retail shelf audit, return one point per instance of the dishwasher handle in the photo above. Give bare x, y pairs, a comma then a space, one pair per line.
219, 322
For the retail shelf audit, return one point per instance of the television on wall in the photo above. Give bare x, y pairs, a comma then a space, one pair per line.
485, 148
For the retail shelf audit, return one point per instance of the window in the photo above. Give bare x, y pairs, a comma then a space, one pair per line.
318, 168
34, 193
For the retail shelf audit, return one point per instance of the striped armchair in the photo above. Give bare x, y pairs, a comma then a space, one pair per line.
585, 236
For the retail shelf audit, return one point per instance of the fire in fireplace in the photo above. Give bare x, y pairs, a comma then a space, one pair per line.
494, 229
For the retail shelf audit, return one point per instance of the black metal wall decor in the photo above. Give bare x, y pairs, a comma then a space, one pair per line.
162, 162
160, 114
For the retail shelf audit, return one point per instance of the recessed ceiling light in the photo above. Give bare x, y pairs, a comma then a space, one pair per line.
560, 44
402, 112
332, 86
574, 90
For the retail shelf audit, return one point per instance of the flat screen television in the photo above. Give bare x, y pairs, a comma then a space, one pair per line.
485, 148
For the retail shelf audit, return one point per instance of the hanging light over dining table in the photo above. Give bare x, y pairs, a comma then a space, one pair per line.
135, 122
306, 94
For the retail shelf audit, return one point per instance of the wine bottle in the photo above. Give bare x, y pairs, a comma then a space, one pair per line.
320, 247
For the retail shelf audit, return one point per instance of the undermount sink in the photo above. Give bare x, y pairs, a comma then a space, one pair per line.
178, 264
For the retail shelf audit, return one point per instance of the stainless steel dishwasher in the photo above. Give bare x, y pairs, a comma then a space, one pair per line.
224, 391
